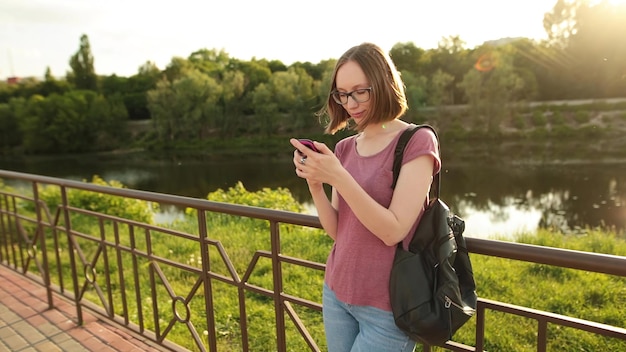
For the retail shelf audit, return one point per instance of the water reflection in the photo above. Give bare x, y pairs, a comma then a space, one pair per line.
495, 199
569, 197
498, 221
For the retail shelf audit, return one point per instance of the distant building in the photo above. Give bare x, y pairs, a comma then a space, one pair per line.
13, 80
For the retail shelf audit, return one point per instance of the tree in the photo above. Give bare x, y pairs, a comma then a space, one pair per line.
58, 123
492, 89
315, 71
416, 92
560, 24
210, 62
589, 35
440, 90
254, 73
83, 74
407, 57
177, 68
599, 50
50, 85
138, 85
233, 88
113, 84
107, 117
186, 107
10, 135
294, 94
452, 58
266, 109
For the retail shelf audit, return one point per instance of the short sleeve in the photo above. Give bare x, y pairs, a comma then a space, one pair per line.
423, 142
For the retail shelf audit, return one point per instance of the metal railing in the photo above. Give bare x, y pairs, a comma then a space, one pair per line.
103, 271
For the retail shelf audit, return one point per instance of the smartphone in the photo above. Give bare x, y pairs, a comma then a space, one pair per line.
308, 143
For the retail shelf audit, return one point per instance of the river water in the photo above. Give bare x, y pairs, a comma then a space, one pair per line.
498, 193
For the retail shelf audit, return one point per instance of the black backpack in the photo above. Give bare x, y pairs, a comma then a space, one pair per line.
432, 288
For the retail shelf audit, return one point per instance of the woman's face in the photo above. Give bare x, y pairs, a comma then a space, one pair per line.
353, 86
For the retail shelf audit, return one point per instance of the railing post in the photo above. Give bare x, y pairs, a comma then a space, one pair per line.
542, 335
42, 244
281, 340
208, 287
71, 247
480, 326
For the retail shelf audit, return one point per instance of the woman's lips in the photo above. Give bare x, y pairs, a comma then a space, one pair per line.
356, 115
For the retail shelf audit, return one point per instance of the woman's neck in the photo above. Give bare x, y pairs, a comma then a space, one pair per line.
379, 129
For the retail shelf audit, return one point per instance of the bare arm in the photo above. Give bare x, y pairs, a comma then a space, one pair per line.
389, 224
326, 210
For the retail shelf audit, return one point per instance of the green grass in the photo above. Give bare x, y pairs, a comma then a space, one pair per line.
570, 292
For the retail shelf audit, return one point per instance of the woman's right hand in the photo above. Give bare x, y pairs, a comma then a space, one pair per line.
316, 167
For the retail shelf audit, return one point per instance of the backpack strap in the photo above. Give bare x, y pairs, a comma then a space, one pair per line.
399, 153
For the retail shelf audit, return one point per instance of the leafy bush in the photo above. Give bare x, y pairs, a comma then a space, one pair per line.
128, 208
519, 122
563, 131
539, 119
279, 199
582, 116
557, 118
454, 131
540, 132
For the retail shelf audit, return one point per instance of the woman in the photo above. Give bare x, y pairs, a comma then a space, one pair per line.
364, 216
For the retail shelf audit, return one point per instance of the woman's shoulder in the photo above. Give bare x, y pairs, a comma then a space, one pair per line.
425, 134
344, 143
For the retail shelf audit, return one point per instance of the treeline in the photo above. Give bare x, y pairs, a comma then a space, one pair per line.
210, 94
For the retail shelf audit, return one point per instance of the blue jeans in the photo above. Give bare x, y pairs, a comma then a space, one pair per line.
351, 328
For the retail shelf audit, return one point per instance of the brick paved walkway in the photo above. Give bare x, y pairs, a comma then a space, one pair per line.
27, 325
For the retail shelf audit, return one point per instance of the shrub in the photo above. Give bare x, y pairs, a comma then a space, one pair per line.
540, 132
582, 116
280, 198
563, 130
519, 122
128, 208
539, 119
557, 118
454, 131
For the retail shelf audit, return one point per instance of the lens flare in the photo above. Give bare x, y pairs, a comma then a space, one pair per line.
485, 63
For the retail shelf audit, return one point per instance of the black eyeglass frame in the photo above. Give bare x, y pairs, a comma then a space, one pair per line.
337, 94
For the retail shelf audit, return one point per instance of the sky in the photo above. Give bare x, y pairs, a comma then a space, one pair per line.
125, 34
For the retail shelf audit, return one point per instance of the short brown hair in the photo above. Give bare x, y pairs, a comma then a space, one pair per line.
388, 96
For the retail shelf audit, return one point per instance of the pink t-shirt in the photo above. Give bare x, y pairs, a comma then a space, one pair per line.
359, 264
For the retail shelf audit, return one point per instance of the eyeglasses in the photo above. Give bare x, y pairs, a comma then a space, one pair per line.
360, 95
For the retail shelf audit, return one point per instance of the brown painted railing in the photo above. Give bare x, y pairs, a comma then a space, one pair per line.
48, 248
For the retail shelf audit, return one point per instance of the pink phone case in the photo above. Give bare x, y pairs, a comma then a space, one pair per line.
308, 143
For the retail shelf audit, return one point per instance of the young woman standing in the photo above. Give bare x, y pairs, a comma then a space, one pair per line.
365, 217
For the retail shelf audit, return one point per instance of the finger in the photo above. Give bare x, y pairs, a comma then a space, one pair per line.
322, 147
301, 160
300, 148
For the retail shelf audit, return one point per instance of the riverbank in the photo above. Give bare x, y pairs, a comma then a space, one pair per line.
566, 128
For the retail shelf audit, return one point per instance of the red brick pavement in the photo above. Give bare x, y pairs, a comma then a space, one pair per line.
27, 324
